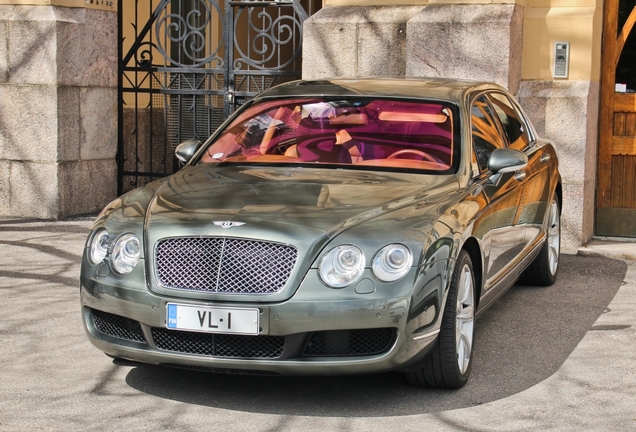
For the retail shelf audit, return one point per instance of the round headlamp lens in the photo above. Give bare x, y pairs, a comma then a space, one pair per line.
99, 246
341, 266
348, 259
132, 248
126, 253
396, 258
392, 262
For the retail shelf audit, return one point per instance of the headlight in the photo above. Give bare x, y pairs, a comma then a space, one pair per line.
342, 266
99, 246
392, 262
125, 255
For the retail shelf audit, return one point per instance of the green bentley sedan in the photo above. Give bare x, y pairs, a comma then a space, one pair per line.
340, 226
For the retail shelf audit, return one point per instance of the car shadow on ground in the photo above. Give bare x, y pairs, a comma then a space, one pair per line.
523, 339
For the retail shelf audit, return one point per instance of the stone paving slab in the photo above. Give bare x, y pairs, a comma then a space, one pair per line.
625, 250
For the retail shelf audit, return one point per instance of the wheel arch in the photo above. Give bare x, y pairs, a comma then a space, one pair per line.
471, 246
558, 191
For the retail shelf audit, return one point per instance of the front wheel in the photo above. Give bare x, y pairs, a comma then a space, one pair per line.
544, 268
448, 365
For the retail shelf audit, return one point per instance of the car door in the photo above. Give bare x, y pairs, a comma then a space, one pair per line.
535, 187
504, 237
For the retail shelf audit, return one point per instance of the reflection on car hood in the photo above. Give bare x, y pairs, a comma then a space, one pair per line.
325, 201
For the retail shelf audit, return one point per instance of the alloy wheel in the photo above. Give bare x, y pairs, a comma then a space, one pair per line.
465, 318
554, 237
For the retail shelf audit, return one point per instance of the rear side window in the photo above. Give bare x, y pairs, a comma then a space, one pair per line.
511, 121
485, 133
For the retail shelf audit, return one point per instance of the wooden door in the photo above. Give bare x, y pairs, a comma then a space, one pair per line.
616, 189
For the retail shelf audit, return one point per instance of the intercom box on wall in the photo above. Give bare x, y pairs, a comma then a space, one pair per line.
561, 59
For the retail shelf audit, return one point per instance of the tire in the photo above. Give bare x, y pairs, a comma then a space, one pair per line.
545, 267
448, 365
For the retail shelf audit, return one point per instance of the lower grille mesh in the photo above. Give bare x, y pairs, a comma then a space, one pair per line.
220, 370
219, 345
117, 326
350, 342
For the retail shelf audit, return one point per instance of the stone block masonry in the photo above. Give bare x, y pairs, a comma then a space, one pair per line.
58, 110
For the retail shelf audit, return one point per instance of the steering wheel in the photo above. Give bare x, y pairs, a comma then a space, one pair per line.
415, 152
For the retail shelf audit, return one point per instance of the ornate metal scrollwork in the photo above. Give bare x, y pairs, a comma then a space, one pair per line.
143, 57
268, 37
188, 34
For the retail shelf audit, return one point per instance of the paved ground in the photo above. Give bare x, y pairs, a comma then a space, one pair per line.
558, 358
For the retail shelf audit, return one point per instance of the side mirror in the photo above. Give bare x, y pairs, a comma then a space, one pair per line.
187, 149
503, 160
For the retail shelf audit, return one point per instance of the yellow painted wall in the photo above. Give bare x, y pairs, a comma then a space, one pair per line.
580, 22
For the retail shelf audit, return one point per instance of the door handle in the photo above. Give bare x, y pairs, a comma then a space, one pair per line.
545, 157
520, 175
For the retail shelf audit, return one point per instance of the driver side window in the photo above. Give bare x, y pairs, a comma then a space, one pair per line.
511, 121
485, 132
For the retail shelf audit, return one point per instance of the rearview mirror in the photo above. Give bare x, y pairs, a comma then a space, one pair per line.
187, 149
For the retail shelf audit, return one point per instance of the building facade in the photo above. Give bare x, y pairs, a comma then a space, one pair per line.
59, 78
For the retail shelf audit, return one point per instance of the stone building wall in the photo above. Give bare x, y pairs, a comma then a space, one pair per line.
58, 110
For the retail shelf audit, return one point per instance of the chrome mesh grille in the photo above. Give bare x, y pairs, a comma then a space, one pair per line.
223, 265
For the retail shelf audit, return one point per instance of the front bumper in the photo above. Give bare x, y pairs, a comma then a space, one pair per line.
317, 331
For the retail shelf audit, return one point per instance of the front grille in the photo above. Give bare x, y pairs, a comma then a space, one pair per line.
350, 342
223, 265
219, 345
117, 326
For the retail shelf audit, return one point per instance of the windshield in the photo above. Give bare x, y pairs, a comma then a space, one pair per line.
351, 132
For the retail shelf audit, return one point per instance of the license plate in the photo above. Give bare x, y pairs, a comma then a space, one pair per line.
212, 319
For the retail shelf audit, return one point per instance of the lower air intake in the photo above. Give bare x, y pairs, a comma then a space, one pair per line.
117, 326
350, 342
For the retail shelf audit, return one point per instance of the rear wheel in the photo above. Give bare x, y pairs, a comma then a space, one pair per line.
448, 365
544, 268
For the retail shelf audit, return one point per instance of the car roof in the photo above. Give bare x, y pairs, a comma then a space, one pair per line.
430, 88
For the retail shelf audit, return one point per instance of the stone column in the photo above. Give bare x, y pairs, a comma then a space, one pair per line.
356, 41
481, 42
58, 110
478, 42
567, 113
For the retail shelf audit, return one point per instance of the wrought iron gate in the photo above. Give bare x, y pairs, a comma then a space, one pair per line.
185, 65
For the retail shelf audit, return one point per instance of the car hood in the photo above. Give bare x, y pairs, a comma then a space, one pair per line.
281, 204
300, 207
